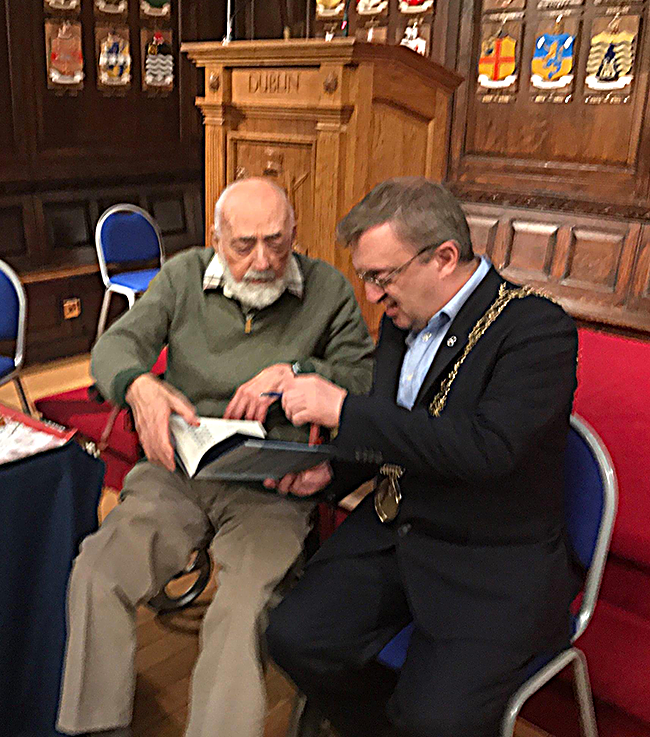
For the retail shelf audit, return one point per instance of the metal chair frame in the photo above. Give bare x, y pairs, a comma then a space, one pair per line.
110, 286
19, 337
306, 720
572, 655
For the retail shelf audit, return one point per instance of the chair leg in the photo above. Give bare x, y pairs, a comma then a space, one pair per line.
583, 695
24, 402
103, 314
130, 298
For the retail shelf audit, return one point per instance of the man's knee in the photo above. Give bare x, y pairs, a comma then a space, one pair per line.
282, 638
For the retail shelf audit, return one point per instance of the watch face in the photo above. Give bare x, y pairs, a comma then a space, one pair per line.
295, 367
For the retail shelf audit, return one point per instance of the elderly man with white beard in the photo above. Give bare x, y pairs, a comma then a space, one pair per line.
235, 320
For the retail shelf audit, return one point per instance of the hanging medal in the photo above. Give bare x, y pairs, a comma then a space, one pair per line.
610, 64
387, 493
552, 73
158, 60
64, 55
113, 58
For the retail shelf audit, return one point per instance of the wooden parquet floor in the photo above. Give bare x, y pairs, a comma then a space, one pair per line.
168, 644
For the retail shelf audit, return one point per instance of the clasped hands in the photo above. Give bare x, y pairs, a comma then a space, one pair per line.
305, 399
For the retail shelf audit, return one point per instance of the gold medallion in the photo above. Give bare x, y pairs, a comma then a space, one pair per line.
387, 493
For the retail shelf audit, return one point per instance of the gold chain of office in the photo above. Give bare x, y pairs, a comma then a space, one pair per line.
504, 298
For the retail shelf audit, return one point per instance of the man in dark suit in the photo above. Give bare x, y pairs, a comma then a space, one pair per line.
464, 536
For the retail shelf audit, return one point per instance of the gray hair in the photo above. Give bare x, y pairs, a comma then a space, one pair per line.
422, 213
218, 207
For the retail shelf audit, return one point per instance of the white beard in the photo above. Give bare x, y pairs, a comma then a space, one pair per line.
256, 296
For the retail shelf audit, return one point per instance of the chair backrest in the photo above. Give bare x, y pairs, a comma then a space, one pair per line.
125, 234
590, 492
13, 310
590, 502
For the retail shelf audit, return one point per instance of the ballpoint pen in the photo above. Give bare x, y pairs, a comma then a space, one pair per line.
275, 395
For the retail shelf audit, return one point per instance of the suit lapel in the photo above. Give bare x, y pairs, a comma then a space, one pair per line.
450, 349
393, 349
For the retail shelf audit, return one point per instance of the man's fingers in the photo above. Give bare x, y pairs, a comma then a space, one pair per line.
185, 410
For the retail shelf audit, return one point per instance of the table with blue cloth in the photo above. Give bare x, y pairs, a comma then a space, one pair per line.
48, 504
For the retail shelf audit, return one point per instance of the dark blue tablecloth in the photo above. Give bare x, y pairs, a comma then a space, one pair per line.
48, 504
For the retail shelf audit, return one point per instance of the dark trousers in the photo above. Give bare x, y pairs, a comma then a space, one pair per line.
327, 631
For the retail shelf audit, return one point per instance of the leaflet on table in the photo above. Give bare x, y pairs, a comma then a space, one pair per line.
22, 436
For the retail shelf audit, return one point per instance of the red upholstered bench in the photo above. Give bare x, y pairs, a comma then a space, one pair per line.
614, 397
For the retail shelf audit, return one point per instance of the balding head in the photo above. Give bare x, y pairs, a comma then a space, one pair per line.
253, 235
251, 193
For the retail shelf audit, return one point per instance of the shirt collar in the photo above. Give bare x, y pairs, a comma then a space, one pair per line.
213, 277
447, 313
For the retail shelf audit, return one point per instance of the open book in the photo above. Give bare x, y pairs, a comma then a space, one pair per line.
239, 450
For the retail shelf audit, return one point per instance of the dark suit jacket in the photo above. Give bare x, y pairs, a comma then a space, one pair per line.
480, 534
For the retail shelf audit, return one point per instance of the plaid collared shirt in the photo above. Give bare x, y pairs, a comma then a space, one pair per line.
213, 277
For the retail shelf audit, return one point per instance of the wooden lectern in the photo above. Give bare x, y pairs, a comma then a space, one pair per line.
327, 120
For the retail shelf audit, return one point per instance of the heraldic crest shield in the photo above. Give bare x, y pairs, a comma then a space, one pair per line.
552, 62
497, 62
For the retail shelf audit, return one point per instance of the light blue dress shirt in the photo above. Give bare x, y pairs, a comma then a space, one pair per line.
423, 345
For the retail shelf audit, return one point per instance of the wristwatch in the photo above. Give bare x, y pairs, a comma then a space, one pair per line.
302, 367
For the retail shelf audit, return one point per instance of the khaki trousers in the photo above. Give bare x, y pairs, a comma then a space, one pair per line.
142, 543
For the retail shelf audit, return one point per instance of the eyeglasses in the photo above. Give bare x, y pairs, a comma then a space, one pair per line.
381, 282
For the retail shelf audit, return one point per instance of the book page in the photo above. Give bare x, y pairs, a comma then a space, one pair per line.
193, 442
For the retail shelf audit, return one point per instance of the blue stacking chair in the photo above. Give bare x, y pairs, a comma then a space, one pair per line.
125, 235
13, 322
590, 502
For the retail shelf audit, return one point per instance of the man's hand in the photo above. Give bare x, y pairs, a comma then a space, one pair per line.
152, 401
247, 404
313, 399
304, 483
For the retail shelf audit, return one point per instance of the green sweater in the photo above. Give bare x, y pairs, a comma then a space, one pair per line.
210, 354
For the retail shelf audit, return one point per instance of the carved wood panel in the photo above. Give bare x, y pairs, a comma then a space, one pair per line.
397, 135
576, 150
290, 160
599, 269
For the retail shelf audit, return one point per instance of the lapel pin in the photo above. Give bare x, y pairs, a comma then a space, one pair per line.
451, 341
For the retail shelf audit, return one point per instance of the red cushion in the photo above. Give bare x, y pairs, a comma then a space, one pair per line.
75, 409
614, 397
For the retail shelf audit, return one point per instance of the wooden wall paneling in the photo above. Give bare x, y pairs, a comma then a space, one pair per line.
531, 245
17, 230
49, 335
483, 230
575, 150
639, 298
79, 136
598, 268
17, 115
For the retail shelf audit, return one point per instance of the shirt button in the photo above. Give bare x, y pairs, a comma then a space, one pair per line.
403, 530
426, 337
